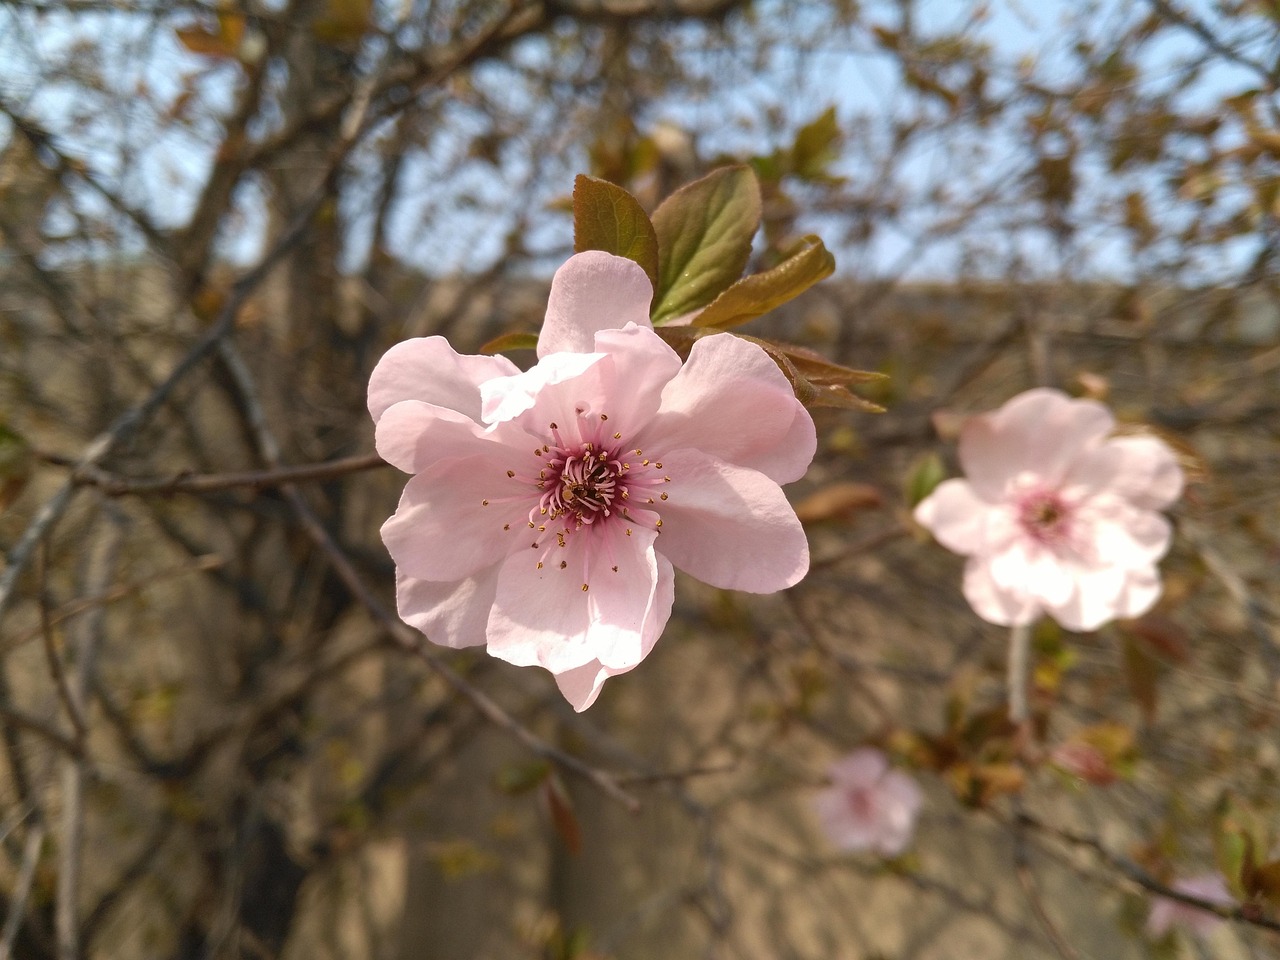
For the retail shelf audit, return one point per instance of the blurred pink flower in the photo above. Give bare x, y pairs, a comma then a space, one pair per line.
548, 507
1167, 914
1055, 515
869, 806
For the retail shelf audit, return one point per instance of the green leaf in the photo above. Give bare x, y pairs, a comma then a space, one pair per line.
923, 477
704, 238
518, 340
753, 296
816, 145
1234, 847
16, 463
606, 217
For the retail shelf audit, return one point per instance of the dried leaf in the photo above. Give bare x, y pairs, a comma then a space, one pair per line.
222, 42
838, 501
563, 819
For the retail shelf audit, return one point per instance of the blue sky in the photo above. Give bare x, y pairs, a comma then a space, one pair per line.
159, 165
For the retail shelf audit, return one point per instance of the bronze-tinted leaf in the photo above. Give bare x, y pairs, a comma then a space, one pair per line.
755, 295
606, 217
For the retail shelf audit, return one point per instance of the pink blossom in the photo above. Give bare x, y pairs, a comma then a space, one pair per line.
1055, 515
547, 508
1167, 914
869, 806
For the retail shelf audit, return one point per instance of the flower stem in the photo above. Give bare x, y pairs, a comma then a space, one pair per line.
1019, 645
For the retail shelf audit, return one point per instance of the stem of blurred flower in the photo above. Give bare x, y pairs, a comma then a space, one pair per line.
1019, 642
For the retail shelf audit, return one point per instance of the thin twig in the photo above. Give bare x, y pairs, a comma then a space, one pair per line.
1031, 889
1142, 878
115, 486
403, 636
51, 655
22, 889
100, 569
129, 422
15, 719
118, 592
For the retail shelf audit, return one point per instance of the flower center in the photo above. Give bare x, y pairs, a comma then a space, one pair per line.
1045, 516
584, 483
862, 804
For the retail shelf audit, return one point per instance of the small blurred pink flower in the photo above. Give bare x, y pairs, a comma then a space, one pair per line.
869, 806
1167, 914
1055, 515
547, 508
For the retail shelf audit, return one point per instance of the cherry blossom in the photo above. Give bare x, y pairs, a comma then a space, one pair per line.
1167, 914
1055, 514
548, 507
869, 805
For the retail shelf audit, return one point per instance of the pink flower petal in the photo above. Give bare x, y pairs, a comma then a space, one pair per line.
443, 529
543, 617
844, 832
1094, 600
993, 602
506, 399
412, 435
593, 291
870, 806
730, 526
428, 369
900, 801
1128, 537
640, 367
1143, 470
452, 614
727, 383
1141, 591
1167, 914
582, 685
1040, 431
622, 381
956, 516
861, 768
